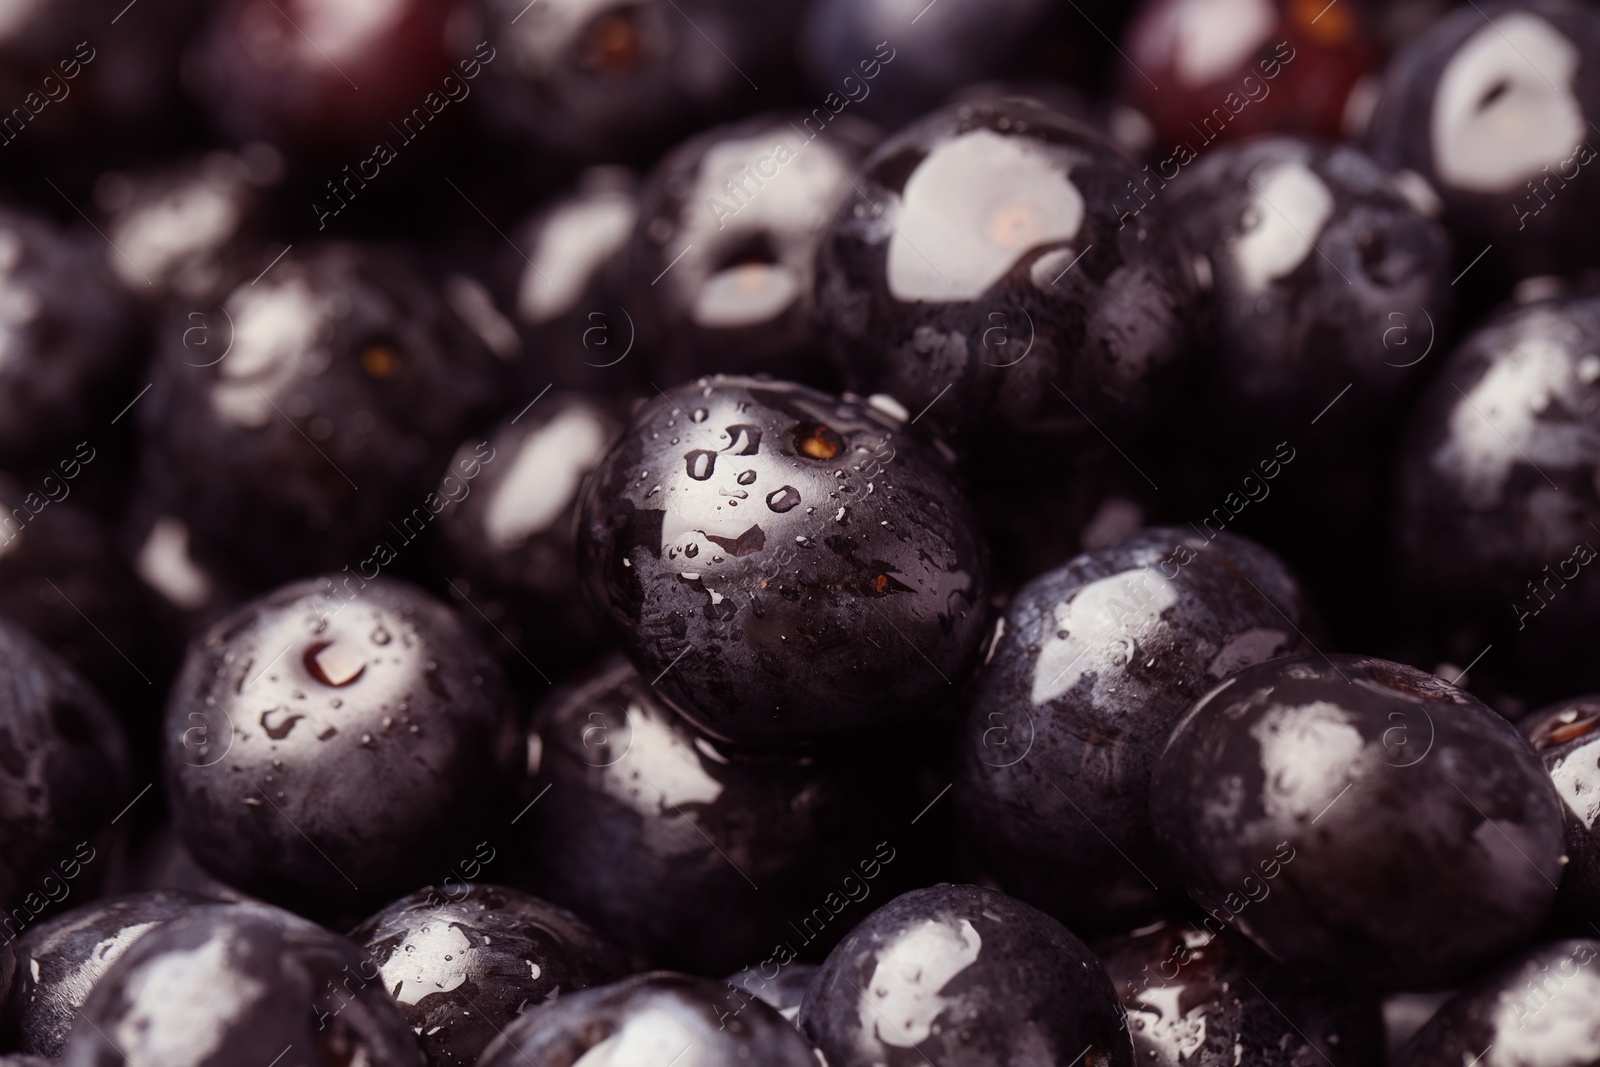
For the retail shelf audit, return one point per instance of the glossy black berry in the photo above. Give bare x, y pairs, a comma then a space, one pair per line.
1497, 478
1315, 255
507, 537
696, 855
231, 983
1093, 665
62, 959
784, 564
1564, 735
64, 777
463, 961
322, 406
963, 976
1541, 1007
650, 1017
336, 742
66, 337
956, 266
721, 266
1361, 816
1493, 105
1198, 997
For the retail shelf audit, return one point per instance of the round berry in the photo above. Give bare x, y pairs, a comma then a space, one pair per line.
783, 564
334, 742
1361, 816
984, 254
963, 976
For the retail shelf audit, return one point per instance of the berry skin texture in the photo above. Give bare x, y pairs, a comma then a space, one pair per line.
963, 976
1541, 1007
696, 855
1564, 735
648, 1017
68, 955
227, 982
954, 268
1095, 663
1315, 251
1360, 816
783, 564
1497, 478
463, 961
1194, 997
326, 745
1493, 105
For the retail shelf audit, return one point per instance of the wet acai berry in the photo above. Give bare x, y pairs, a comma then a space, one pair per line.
659, 1016
463, 961
64, 778
62, 959
267, 979
507, 537
721, 265
783, 564
1361, 816
697, 855
1316, 255
1565, 737
1494, 106
1541, 1007
303, 413
963, 976
984, 255
337, 741
1497, 481
1202, 997
1092, 666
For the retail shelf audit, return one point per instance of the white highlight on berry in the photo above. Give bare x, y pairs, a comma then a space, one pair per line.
1103, 625
577, 238
160, 1029
1505, 108
414, 972
1309, 754
1290, 207
1498, 422
903, 997
166, 566
275, 325
971, 210
544, 477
